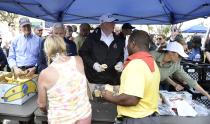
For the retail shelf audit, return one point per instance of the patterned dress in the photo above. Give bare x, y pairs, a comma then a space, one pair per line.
68, 99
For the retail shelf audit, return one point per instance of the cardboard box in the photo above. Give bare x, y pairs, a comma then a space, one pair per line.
14, 93
170, 98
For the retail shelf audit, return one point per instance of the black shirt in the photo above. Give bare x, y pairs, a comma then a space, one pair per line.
94, 50
3, 60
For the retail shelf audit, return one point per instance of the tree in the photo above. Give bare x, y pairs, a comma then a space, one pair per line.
163, 29
166, 29
150, 28
7, 17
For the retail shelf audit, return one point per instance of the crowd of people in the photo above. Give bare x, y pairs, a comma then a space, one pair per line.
135, 63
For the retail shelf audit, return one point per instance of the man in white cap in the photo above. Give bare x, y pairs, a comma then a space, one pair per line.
38, 30
169, 66
24, 50
102, 53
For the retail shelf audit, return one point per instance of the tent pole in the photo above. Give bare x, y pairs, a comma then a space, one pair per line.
60, 16
206, 36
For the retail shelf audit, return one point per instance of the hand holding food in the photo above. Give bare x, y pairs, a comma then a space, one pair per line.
104, 66
109, 88
18, 71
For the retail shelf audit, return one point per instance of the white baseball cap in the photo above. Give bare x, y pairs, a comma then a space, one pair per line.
176, 47
107, 18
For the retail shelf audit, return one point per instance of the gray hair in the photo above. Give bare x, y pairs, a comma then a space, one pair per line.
58, 25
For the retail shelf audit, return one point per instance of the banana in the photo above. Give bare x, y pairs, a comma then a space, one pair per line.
104, 66
10, 79
22, 80
18, 80
10, 82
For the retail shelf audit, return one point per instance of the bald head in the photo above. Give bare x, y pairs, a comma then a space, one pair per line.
58, 25
59, 30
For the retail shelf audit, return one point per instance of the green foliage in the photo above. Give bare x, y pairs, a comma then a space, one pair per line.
7, 17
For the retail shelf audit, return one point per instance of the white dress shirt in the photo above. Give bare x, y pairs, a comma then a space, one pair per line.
107, 39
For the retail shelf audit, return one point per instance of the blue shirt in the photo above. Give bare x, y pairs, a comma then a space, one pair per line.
24, 50
193, 53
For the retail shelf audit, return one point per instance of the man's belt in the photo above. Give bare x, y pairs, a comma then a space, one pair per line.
25, 67
155, 114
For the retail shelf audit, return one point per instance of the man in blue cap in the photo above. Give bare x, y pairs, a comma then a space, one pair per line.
23, 53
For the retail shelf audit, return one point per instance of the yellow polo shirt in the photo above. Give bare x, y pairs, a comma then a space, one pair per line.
137, 80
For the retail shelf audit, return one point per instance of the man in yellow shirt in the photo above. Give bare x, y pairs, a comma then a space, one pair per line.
139, 88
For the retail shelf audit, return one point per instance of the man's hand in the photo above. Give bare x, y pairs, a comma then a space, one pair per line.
119, 67
122, 99
18, 71
98, 67
179, 87
107, 95
31, 71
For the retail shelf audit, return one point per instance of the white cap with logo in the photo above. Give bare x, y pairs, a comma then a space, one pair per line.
107, 18
176, 47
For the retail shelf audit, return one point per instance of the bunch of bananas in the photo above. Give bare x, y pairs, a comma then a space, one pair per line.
18, 80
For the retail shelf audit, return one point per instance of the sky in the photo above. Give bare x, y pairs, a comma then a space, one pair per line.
190, 23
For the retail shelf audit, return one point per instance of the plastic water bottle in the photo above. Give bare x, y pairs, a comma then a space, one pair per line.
197, 57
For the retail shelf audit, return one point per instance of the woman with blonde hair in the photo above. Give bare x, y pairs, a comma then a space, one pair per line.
63, 84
